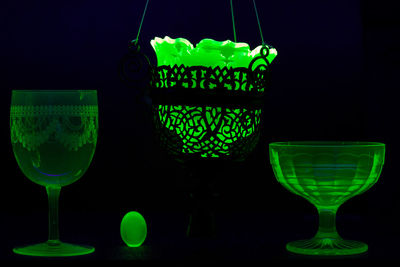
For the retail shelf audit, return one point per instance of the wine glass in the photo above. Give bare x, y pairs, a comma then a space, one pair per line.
54, 136
327, 174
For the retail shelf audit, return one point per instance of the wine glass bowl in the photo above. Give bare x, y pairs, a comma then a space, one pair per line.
327, 174
54, 136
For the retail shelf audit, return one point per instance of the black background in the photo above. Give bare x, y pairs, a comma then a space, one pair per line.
334, 79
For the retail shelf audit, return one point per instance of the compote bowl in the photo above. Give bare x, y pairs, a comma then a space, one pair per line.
54, 136
327, 174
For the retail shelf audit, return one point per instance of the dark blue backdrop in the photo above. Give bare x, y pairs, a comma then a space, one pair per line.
334, 79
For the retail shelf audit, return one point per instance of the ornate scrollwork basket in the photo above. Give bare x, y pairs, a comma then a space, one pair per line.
205, 117
205, 112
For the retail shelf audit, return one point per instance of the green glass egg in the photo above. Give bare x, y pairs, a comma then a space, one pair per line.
133, 229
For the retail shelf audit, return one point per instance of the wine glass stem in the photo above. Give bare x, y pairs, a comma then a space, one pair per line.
53, 194
327, 223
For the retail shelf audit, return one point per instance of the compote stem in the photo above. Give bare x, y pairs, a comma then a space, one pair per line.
53, 193
327, 223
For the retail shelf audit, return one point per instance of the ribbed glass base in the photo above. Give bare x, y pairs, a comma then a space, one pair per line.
327, 246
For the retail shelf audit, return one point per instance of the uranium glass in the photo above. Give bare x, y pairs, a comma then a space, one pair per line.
208, 53
327, 174
54, 136
133, 229
209, 130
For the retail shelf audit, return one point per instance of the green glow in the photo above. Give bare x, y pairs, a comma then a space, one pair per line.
207, 52
193, 124
54, 136
327, 174
133, 229
53, 144
190, 124
47, 249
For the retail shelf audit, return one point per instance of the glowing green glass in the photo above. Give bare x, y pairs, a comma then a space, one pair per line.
133, 229
327, 174
54, 136
207, 52
192, 124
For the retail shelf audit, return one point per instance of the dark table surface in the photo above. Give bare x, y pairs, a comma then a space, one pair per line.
241, 236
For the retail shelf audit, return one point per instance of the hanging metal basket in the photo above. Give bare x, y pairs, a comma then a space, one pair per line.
205, 116
204, 112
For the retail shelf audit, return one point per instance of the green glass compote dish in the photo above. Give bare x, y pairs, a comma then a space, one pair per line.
54, 136
327, 174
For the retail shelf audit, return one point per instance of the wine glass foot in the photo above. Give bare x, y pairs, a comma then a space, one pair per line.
327, 246
49, 249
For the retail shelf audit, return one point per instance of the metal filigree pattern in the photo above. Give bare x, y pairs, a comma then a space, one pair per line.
228, 80
71, 125
207, 78
208, 131
209, 112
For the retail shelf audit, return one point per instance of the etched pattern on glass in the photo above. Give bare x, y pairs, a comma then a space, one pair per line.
71, 125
